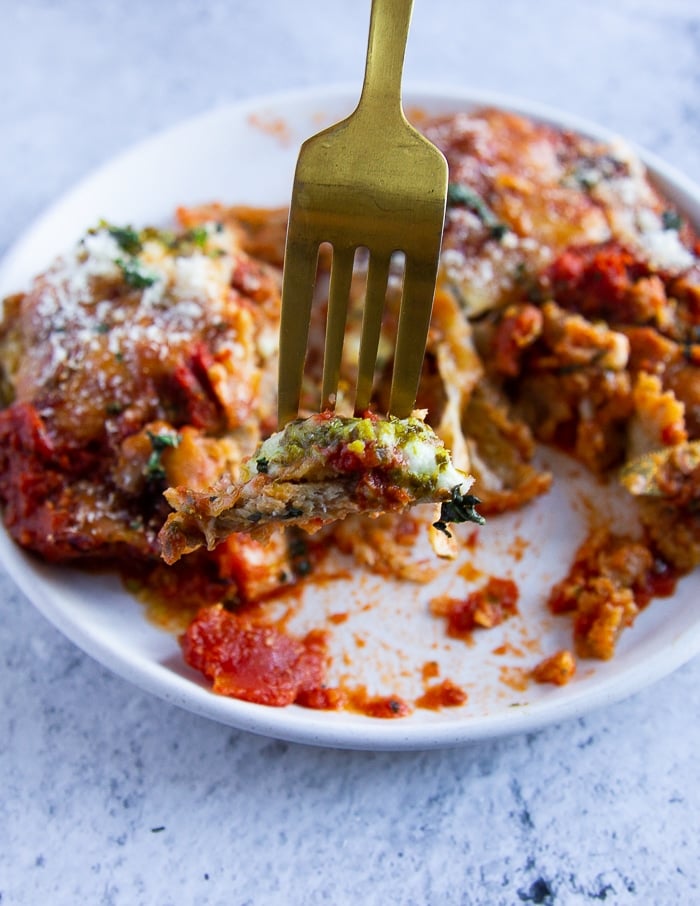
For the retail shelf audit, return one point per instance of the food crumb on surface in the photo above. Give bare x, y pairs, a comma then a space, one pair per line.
557, 669
516, 678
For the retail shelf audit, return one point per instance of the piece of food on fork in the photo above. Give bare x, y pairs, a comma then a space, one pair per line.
319, 470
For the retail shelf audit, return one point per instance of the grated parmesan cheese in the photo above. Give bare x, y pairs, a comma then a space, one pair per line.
82, 311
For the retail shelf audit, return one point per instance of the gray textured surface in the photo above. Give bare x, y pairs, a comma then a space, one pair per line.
111, 797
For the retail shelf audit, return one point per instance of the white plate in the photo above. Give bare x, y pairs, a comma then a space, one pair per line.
246, 154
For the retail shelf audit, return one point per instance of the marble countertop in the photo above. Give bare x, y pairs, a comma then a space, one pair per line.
109, 796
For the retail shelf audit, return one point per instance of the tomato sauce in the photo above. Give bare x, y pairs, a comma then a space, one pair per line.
659, 582
254, 662
596, 281
430, 670
382, 706
484, 608
442, 695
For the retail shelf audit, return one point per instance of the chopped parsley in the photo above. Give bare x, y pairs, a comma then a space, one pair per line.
671, 220
262, 465
134, 274
159, 443
459, 194
198, 235
587, 177
588, 172
126, 238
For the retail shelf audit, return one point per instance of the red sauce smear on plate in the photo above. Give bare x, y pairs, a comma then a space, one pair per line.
430, 670
254, 662
384, 706
442, 695
258, 662
484, 608
659, 582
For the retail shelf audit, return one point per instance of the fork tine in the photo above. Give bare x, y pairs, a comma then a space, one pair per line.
414, 320
297, 293
377, 278
338, 293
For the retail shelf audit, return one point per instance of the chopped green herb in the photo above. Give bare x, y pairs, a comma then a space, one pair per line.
198, 235
154, 469
671, 220
102, 327
134, 274
459, 194
126, 237
460, 508
588, 172
168, 239
159, 443
262, 465
114, 408
586, 175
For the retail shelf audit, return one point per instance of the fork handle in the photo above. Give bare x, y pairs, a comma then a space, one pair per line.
386, 48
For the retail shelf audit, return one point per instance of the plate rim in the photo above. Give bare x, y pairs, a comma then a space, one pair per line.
306, 726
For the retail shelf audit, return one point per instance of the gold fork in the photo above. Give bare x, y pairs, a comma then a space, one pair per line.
370, 181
